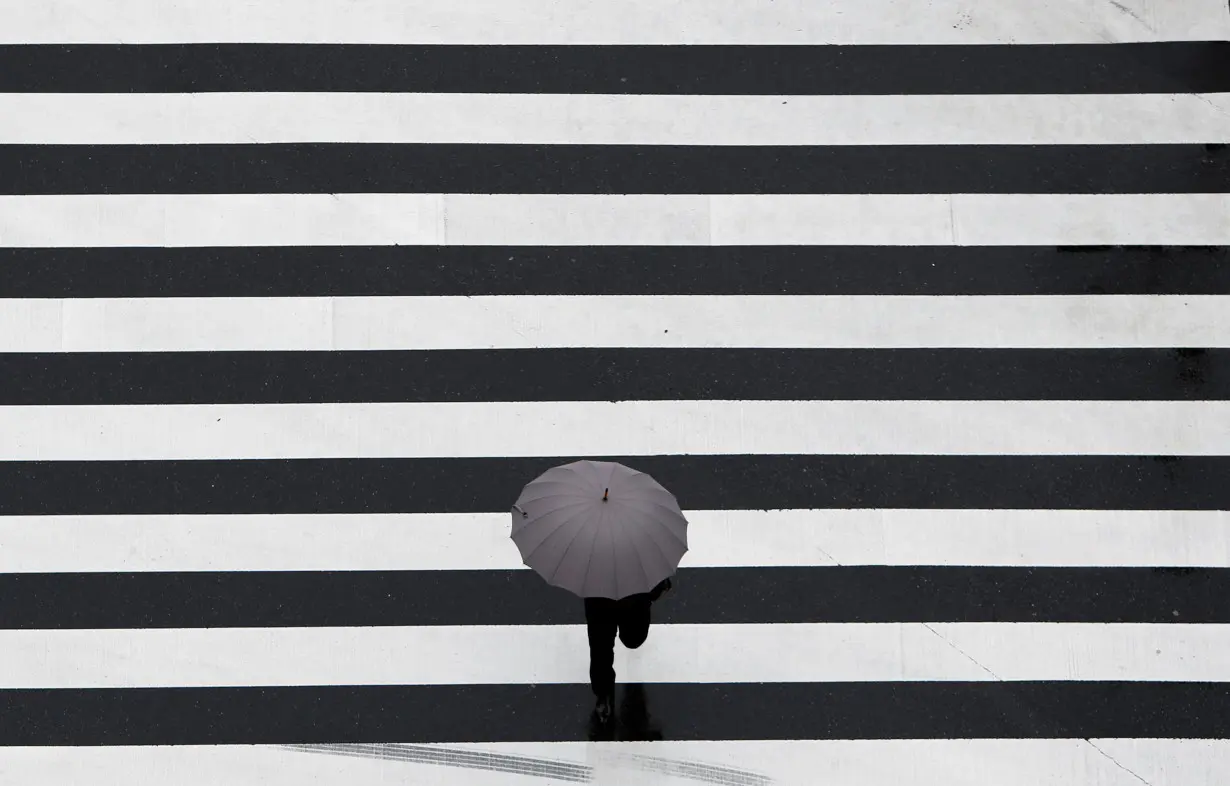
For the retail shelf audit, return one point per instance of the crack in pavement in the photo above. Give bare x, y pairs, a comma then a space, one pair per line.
952, 219
1115, 761
1128, 11
1219, 110
998, 678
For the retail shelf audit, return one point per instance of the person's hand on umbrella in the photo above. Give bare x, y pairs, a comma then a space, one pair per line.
663, 587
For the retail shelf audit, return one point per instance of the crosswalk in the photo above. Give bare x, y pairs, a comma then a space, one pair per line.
922, 313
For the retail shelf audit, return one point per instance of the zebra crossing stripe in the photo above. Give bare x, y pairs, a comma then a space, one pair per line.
631, 428
543, 119
614, 169
476, 271
716, 539
865, 22
601, 219
557, 713
927, 762
715, 596
578, 69
605, 374
721, 482
680, 654
635, 321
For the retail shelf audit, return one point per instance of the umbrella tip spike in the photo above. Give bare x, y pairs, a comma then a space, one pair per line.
604, 494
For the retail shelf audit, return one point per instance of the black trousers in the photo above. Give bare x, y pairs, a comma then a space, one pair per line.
604, 618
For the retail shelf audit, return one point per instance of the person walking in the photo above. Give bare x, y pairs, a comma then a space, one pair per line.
604, 618
610, 535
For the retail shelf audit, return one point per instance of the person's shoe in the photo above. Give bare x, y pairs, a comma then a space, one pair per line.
603, 709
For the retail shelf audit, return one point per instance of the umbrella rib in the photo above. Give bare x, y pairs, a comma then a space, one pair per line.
640, 563
614, 556
555, 529
580, 501
540, 518
635, 543
665, 558
573, 470
640, 524
545, 538
564, 554
668, 529
672, 511
588, 561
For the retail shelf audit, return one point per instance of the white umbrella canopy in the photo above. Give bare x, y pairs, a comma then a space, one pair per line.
599, 529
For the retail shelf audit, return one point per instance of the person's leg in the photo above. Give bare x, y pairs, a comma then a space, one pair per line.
601, 622
634, 621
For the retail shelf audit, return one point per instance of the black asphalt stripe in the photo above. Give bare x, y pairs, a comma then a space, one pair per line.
561, 713
611, 169
727, 482
478, 375
612, 270
251, 599
1163, 67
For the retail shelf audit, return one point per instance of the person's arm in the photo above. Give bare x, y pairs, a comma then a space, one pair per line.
656, 592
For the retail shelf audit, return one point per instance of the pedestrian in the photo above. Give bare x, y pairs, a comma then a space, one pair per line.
610, 535
604, 618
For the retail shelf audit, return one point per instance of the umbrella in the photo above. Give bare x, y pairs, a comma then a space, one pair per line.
599, 529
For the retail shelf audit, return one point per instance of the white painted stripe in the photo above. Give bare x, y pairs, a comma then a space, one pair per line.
974, 762
973, 220
241, 118
203, 220
716, 539
529, 322
608, 22
552, 654
31, 325
638, 219
629, 428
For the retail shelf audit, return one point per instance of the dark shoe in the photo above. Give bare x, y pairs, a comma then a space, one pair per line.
603, 709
